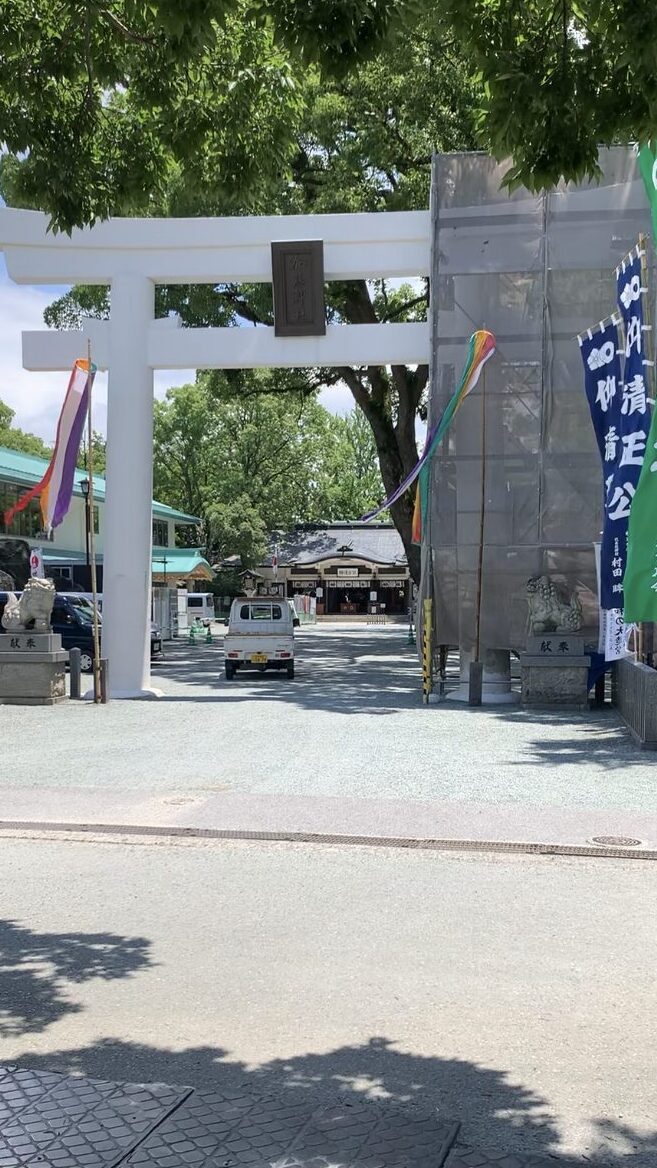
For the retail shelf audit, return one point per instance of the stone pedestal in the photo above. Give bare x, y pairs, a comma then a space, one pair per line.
32, 669
554, 672
496, 688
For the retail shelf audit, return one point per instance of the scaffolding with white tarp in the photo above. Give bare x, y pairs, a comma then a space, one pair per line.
536, 270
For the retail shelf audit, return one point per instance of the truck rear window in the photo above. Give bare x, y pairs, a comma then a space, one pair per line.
261, 612
265, 612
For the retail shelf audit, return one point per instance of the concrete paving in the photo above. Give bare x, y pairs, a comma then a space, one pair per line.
350, 726
610, 832
515, 994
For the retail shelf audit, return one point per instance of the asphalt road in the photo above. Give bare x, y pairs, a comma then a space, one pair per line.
515, 993
351, 725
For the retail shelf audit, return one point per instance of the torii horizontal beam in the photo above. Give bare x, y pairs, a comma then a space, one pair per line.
223, 250
237, 348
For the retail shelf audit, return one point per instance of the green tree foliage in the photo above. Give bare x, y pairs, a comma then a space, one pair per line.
348, 480
98, 454
103, 101
250, 463
15, 439
559, 80
236, 528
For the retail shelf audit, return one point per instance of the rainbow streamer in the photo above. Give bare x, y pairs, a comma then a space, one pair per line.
480, 349
419, 508
55, 489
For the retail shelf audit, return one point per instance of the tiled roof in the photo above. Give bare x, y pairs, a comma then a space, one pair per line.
309, 543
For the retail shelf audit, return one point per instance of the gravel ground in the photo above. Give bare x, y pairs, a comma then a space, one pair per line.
351, 724
516, 994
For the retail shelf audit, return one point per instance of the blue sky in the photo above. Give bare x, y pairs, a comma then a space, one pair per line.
36, 397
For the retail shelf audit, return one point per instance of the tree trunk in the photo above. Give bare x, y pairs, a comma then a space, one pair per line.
390, 402
395, 442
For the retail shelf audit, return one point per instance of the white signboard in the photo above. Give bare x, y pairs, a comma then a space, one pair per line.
348, 572
372, 595
36, 563
181, 599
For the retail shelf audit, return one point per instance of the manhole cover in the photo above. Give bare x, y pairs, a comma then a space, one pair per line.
616, 841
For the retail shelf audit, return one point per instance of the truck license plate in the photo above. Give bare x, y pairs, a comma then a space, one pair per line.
259, 658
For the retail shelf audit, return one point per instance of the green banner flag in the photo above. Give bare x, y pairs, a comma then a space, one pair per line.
640, 580
648, 168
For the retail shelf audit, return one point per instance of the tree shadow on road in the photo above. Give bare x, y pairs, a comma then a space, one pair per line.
496, 1113
595, 738
358, 673
36, 967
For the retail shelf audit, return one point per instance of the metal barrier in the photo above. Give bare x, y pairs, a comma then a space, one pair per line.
634, 693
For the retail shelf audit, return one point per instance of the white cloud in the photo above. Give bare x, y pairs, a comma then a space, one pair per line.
36, 398
337, 399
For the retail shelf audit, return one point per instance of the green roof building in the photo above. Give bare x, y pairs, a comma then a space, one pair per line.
66, 549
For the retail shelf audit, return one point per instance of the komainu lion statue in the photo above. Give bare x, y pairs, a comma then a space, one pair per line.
35, 604
548, 612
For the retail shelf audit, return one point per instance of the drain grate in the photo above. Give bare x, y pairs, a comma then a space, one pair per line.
611, 849
616, 841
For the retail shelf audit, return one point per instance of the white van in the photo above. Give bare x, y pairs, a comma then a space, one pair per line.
200, 606
260, 635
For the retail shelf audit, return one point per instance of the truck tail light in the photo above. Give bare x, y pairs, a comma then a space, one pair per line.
233, 654
285, 654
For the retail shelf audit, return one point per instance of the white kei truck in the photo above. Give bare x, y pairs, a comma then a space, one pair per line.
260, 635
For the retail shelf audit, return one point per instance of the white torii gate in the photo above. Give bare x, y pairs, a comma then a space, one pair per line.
132, 256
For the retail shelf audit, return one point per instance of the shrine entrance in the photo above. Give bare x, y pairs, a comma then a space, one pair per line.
132, 256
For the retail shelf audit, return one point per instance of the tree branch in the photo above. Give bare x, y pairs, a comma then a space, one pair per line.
404, 307
127, 33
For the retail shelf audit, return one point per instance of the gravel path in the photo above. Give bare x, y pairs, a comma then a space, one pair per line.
351, 724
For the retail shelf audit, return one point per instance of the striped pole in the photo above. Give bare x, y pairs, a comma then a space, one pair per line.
427, 628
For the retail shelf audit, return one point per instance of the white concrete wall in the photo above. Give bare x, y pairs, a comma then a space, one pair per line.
70, 535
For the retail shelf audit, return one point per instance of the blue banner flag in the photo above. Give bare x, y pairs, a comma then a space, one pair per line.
635, 415
605, 391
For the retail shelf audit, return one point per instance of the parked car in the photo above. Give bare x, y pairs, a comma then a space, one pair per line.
73, 618
260, 636
87, 598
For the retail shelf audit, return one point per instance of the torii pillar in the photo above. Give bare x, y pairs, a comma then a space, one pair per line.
128, 515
